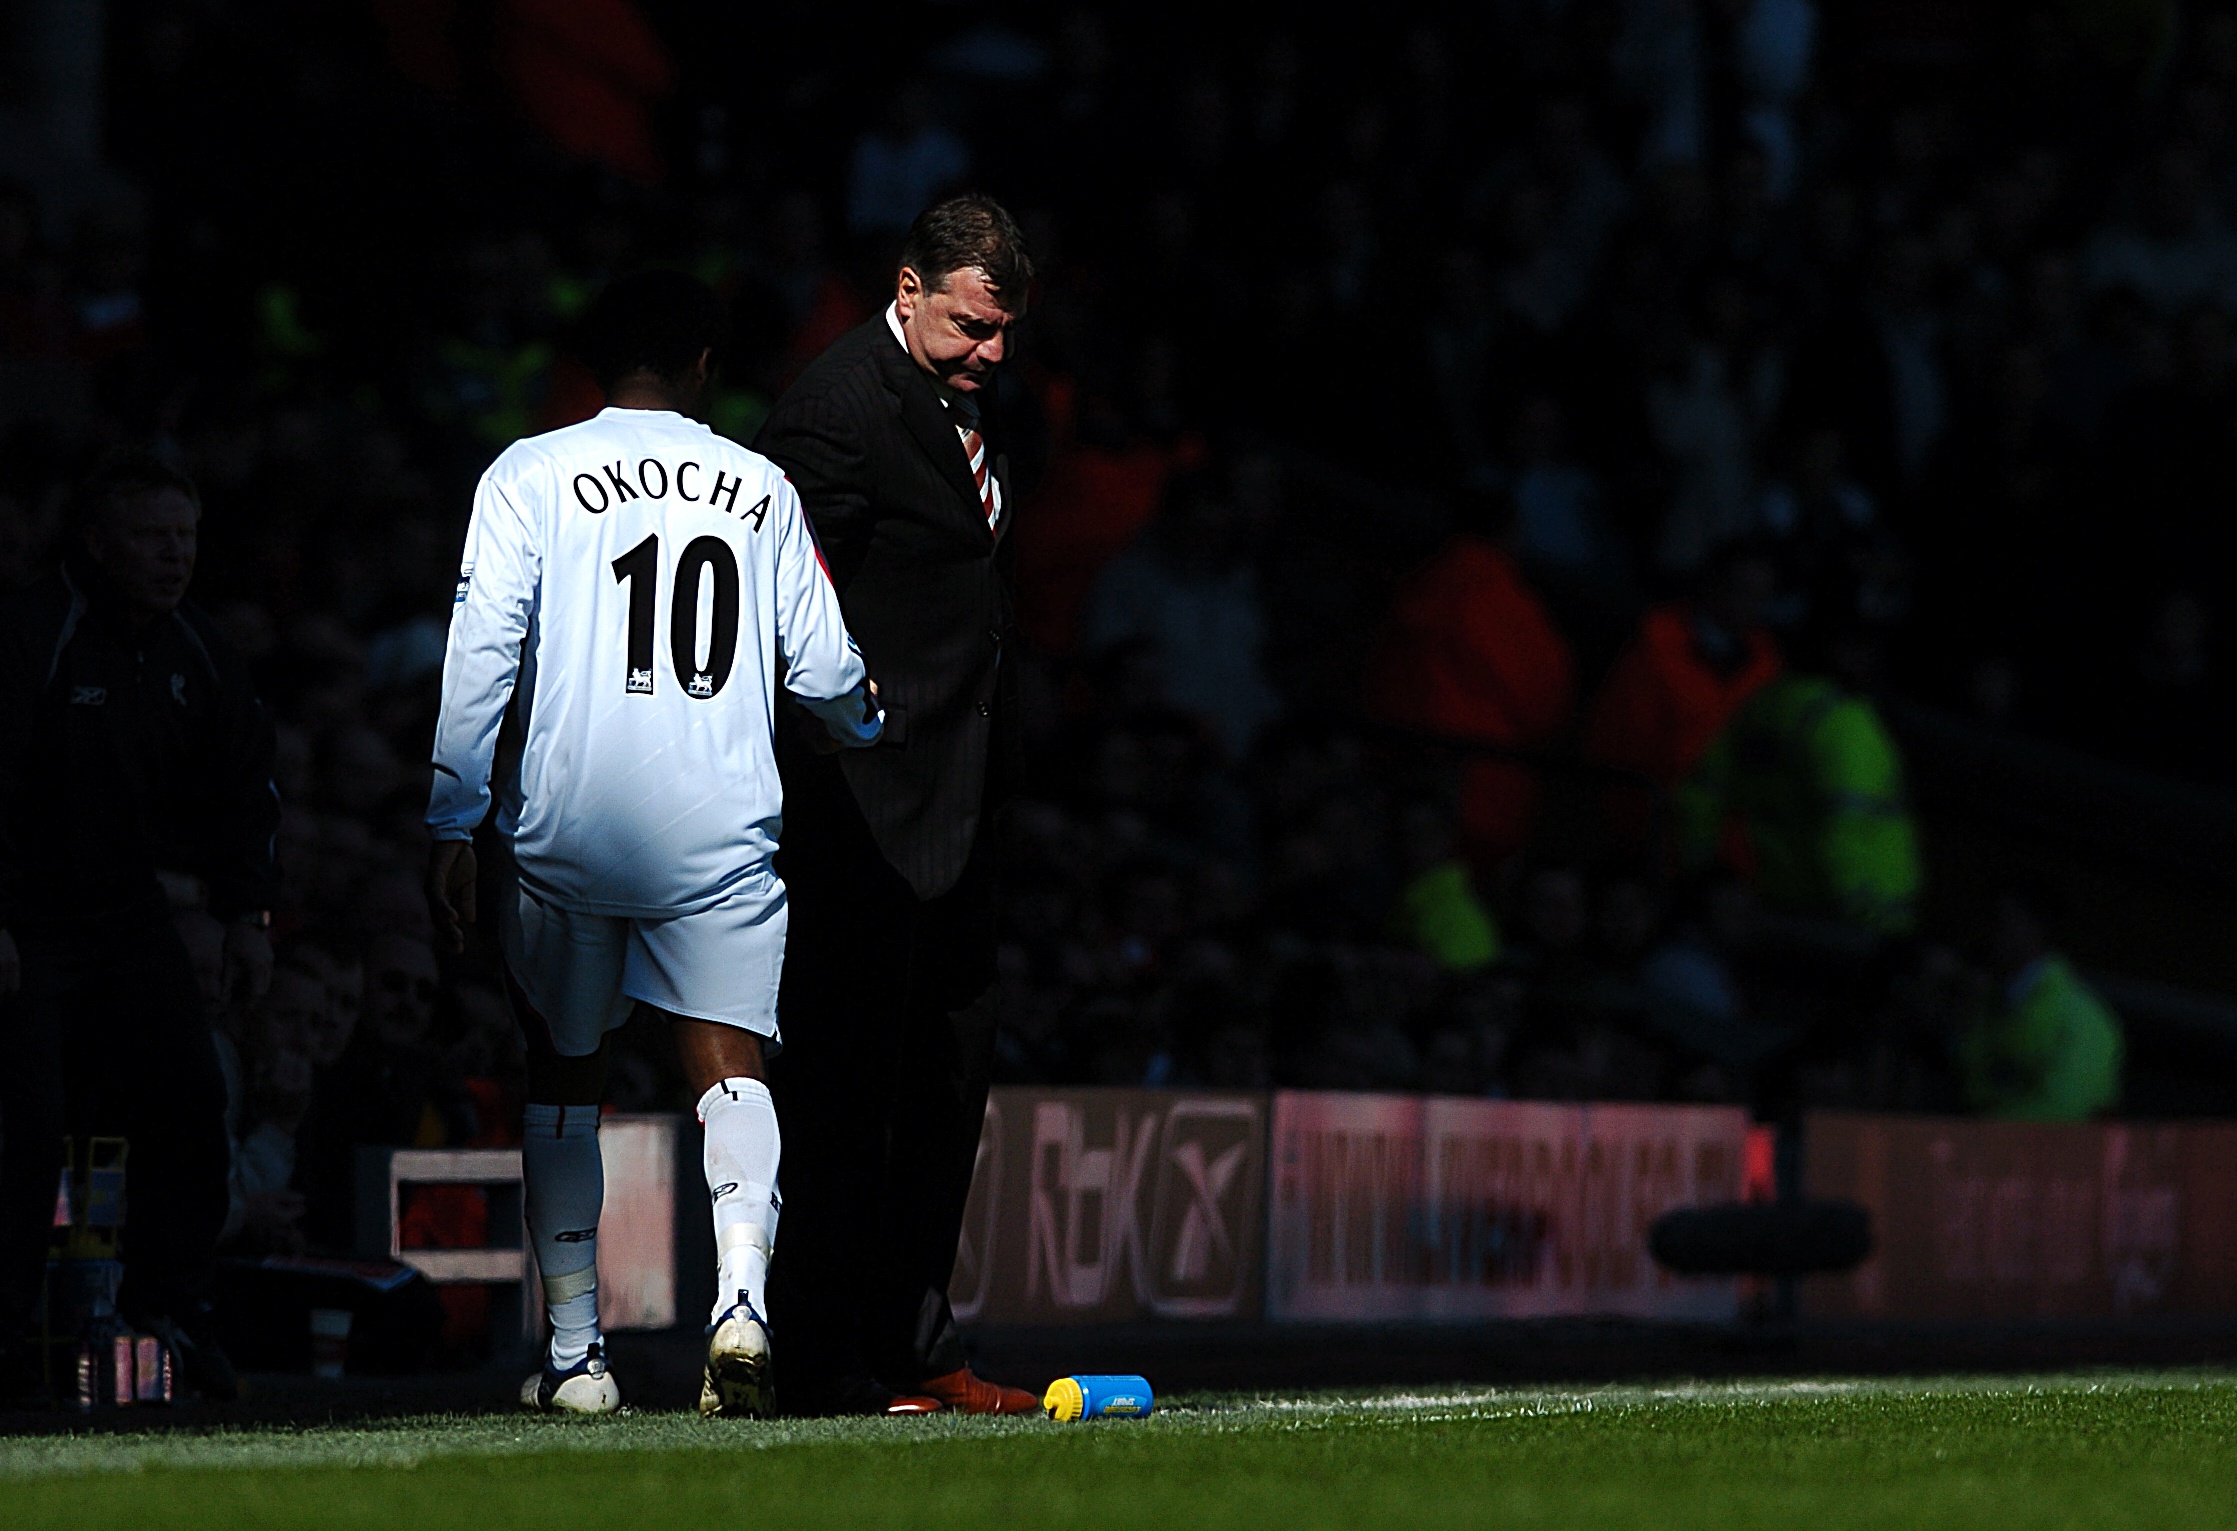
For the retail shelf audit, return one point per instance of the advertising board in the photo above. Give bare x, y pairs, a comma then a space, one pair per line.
1397, 1208
2016, 1220
1100, 1206
636, 1227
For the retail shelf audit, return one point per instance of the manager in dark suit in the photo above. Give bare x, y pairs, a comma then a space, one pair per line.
892, 439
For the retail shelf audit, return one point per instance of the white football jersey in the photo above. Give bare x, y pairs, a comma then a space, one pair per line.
638, 580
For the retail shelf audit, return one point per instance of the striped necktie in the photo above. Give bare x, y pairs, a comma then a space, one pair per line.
974, 447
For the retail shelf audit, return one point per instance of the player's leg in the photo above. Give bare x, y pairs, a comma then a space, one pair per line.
729, 1077
563, 977
564, 1181
715, 974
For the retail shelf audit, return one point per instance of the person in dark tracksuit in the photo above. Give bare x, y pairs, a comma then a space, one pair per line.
132, 744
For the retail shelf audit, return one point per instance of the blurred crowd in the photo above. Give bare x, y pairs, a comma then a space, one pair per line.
1492, 470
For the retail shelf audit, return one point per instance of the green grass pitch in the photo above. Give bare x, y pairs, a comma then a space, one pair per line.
2107, 1450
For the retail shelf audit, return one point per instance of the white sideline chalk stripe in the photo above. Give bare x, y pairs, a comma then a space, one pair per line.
430, 1438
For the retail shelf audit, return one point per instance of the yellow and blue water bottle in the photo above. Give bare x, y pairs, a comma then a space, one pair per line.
1075, 1398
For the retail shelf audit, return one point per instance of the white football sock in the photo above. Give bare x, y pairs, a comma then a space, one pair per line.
564, 1181
741, 1162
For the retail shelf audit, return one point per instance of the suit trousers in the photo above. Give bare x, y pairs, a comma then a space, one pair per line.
888, 1014
108, 1037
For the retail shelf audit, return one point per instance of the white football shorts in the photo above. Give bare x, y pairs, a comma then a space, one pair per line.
584, 972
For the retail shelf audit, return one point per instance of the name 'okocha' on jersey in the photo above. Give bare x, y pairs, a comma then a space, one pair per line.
647, 782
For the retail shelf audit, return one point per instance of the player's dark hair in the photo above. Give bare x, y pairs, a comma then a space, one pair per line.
119, 477
658, 321
971, 232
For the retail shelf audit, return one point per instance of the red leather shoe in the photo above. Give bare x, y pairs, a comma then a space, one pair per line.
967, 1393
907, 1403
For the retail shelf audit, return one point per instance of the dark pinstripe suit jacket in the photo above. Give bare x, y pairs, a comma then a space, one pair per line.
924, 586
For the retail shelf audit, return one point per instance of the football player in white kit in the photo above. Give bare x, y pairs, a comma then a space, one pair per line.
634, 587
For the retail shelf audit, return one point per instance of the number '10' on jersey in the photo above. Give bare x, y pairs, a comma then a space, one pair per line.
631, 587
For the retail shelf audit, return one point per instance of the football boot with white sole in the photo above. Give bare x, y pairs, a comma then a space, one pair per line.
584, 1388
736, 1382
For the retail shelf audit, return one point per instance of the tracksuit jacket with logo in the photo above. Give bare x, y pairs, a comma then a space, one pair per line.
123, 751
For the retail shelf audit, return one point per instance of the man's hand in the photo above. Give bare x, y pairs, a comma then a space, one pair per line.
450, 892
248, 962
11, 966
811, 732
816, 734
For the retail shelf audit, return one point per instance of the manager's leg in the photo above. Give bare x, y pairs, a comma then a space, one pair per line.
938, 1110
946, 1058
844, 986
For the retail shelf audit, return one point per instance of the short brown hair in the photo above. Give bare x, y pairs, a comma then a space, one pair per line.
971, 232
120, 476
